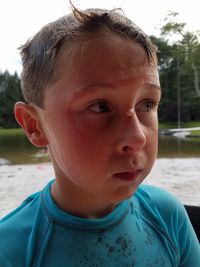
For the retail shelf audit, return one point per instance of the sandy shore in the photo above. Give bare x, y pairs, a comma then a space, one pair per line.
179, 176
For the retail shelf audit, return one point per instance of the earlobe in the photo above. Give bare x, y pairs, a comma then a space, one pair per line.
27, 117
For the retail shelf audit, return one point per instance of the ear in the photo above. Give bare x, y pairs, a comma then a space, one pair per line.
28, 118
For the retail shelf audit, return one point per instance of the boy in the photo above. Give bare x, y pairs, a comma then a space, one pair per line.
92, 90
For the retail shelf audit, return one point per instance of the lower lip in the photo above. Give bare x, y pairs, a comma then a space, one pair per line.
127, 176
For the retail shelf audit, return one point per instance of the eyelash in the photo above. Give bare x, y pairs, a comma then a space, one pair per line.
103, 107
153, 104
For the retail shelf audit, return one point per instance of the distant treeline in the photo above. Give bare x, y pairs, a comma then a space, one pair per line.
179, 69
178, 65
10, 93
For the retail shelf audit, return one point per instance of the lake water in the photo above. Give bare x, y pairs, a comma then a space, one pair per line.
18, 149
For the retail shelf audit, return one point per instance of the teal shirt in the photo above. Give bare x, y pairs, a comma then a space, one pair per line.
149, 229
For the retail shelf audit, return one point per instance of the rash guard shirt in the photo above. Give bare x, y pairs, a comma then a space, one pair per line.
149, 229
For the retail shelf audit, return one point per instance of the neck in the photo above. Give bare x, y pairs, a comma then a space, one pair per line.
78, 203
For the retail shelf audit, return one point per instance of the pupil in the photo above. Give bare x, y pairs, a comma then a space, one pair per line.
102, 107
148, 106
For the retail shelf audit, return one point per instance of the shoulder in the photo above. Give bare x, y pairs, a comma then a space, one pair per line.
21, 217
162, 207
25, 208
167, 215
159, 198
25, 226
15, 229
28, 209
164, 210
154, 193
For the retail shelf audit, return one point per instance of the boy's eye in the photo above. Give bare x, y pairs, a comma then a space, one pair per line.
147, 106
99, 107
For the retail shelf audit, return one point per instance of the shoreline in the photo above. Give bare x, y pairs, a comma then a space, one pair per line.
180, 176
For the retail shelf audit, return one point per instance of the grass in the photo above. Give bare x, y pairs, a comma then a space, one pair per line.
168, 125
15, 131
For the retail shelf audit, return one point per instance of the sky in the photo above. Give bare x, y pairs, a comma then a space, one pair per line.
21, 19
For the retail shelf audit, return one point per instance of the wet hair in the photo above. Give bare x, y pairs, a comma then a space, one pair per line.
41, 55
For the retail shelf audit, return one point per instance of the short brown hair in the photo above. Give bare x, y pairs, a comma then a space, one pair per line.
40, 55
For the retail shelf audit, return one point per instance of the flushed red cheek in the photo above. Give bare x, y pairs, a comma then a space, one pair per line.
90, 129
89, 157
84, 141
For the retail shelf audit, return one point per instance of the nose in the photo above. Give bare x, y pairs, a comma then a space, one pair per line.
132, 135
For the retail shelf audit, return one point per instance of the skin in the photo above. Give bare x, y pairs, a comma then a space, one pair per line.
99, 123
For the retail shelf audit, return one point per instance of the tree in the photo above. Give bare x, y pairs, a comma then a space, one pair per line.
179, 68
10, 93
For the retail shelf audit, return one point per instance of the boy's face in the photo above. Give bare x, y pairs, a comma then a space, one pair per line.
100, 120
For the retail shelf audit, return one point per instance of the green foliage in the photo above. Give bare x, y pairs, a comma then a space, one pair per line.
10, 93
172, 26
179, 68
11, 132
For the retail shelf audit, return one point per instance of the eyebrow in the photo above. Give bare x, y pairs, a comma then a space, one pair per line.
153, 86
99, 84
86, 89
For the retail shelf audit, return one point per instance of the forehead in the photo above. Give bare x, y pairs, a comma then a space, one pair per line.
104, 59
104, 51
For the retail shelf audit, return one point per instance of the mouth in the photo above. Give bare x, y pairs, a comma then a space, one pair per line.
127, 176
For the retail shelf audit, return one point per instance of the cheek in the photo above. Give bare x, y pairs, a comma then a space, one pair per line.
85, 141
152, 143
91, 126
151, 129
90, 130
